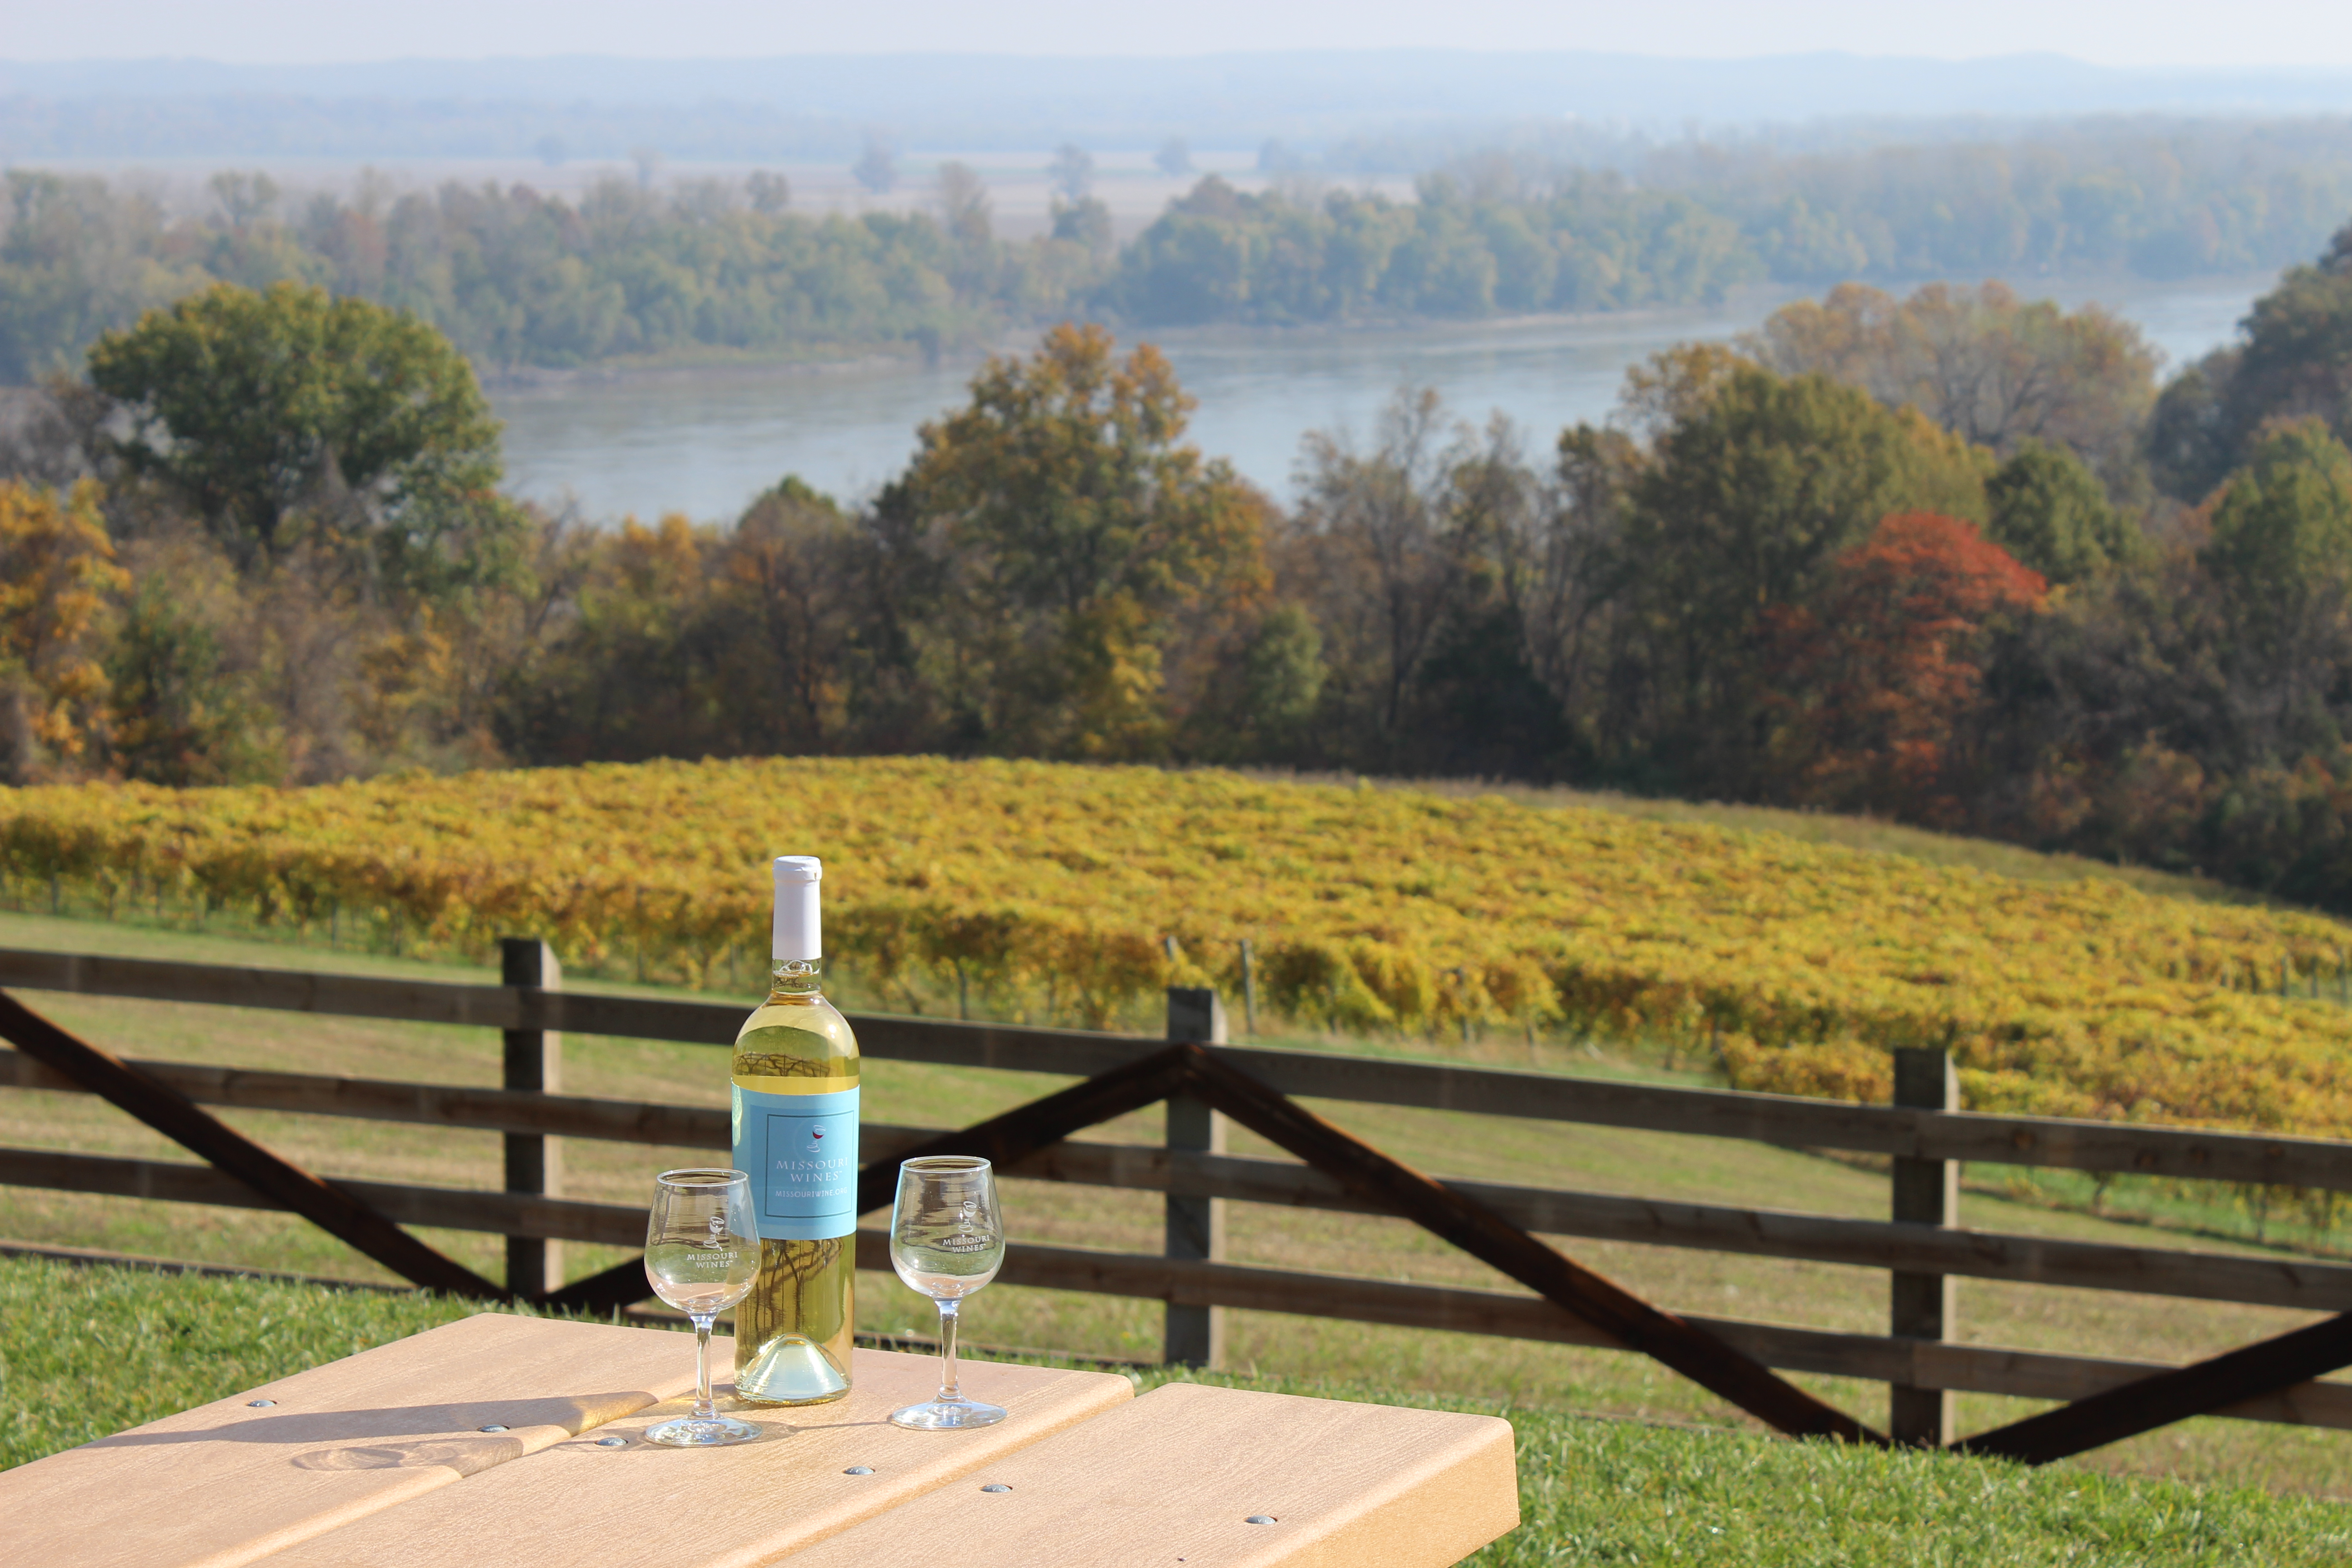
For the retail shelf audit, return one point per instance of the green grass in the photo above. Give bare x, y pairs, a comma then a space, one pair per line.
88, 1351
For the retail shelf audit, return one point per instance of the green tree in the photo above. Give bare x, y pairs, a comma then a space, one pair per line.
2283, 525
2047, 508
1076, 531
2281, 557
288, 414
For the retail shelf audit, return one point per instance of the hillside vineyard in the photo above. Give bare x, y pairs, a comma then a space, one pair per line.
1048, 892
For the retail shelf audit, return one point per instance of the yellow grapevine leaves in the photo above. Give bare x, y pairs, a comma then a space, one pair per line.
1051, 889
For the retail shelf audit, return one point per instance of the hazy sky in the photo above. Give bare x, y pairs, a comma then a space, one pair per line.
2109, 32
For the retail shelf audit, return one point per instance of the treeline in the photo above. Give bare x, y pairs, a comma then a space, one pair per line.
515, 279
1931, 558
518, 279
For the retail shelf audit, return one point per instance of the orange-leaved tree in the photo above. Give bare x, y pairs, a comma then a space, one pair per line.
57, 576
1879, 674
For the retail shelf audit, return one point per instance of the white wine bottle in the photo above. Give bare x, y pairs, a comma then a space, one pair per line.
795, 1102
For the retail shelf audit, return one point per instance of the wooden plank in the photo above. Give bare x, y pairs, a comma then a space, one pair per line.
449, 1208
1788, 1121
1370, 1174
2295, 1283
2304, 1284
1180, 1475
227, 1483
340, 1214
426, 1104
1969, 1369
577, 1502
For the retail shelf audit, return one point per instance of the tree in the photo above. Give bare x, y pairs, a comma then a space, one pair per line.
1174, 158
2283, 526
1746, 498
2048, 510
58, 574
1879, 676
963, 204
2281, 555
770, 192
1083, 223
278, 416
876, 168
1993, 369
1072, 172
1074, 532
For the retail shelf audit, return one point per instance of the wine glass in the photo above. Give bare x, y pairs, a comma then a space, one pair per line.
947, 1241
701, 1252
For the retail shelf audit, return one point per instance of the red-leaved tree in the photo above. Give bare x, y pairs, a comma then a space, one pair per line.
1880, 672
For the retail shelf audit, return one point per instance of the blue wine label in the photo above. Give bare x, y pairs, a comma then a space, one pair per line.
801, 1150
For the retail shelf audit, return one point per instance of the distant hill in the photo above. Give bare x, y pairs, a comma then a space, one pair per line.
820, 105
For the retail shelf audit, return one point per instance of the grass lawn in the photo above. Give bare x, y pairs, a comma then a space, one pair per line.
85, 1351
1406, 1362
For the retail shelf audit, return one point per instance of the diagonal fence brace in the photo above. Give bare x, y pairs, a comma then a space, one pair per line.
1376, 1177
2161, 1398
290, 1186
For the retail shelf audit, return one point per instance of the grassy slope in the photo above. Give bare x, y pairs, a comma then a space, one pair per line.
84, 1351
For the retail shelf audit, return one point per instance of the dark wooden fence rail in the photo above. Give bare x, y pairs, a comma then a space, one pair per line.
1197, 1173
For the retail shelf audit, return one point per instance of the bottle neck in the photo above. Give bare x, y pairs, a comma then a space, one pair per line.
796, 977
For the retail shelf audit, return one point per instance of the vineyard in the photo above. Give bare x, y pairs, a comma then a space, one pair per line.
1072, 894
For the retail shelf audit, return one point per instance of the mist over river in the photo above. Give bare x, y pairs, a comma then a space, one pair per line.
705, 441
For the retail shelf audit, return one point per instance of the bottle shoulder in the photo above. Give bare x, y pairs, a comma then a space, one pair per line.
799, 1039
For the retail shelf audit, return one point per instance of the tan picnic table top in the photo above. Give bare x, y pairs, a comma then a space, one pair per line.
487, 1442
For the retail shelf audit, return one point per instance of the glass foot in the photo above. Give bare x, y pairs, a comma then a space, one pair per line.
701, 1432
947, 1415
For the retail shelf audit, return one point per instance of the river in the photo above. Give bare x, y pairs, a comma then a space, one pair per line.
705, 441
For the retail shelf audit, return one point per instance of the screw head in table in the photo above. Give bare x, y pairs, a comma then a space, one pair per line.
260, 1404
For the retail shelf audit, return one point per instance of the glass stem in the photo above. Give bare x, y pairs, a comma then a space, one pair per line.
948, 1388
703, 1410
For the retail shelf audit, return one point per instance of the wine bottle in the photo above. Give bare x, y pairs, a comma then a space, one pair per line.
795, 1105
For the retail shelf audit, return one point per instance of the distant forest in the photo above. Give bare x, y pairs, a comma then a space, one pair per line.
517, 278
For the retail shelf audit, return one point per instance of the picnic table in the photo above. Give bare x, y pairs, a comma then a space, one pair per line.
510, 1440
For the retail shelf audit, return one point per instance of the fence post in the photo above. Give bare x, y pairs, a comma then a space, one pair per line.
1926, 1191
534, 1061
1195, 1335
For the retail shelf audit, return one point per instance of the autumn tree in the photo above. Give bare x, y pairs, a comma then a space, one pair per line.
1075, 538
58, 576
1877, 678
1993, 369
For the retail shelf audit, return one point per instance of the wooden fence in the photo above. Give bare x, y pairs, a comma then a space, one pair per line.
1920, 1246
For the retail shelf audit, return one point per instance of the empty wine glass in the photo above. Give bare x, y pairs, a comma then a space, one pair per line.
946, 1242
701, 1252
